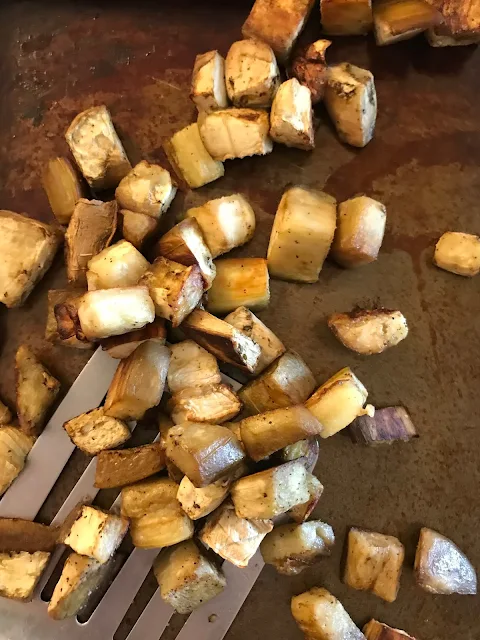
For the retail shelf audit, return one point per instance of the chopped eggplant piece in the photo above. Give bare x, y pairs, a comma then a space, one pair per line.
138, 382
310, 69
187, 579
368, 331
278, 24
79, 579
236, 133
24, 535
214, 403
96, 534
386, 426
359, 235
375, 630
301, 512
137, 228
146, 496
200, 502
440, 566
190, 159
346, 17
163, 523
113, 312
286, 382
302, 234
14, 448
222, 340
397, 20
20, 572
272, 492
36, 391
208, 90
123, 467
186, 245
93, 432
97, 149
338, 402
460, 24
322, 617
458, 253
234, 539
248, 323
265, 433
63, 188
175, 289
27, 248
204, 452
226, 223
306, 449
251, 74
5, 414
239, 281
351, 102
291, 117
120, 347
90, 230
63, 322
147, 188
191, 366
120, 265
374, 563
292, 548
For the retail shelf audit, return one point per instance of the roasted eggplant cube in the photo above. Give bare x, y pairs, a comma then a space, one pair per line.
113, 312
239, 281
190, 159
97, 149
199, 502
338, 402
36, 391
123, 467
204, 452
175, 289
53, 328
397, 20
24, 535
120, 347
120, 265
191, 366
387, 425
137, 228
322, 617
291, 117
368, 331
208, 90
351, 102
147, 496
440, 566
265, 433
96, 534
301, 512
226, 223
291, 548
187, 579
185, 244
20, 572
310, 69
214, 403
375, 630
27, 248
236, 133
302, 234
286, 382
346, 17
14, 448
164, 523
374, 563
232, 538
277, 24
222, 340
138, 382
272, 492
93, 431
63, 188
360, 229
458, 253
147, 188
251, 74
90, 230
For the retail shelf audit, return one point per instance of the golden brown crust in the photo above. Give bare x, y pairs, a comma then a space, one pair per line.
461, 18
122, 467
310, 68
24, 535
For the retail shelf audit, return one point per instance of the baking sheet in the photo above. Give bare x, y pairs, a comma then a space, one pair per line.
58, 58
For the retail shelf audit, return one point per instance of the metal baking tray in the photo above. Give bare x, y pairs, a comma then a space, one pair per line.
58, 58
